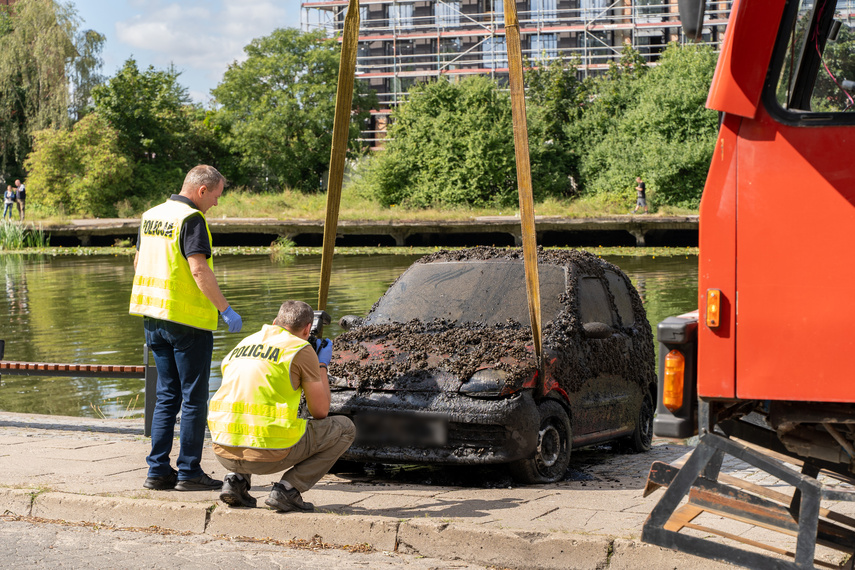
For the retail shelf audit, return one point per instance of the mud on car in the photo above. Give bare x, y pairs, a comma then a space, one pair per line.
442, 369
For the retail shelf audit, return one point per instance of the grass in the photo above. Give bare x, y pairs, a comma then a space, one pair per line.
238, 203
290, 204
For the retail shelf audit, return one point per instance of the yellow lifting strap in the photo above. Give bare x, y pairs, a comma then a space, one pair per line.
529, 237
341, 127
341, 130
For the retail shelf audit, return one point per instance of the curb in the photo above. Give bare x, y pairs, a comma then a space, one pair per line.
431, 538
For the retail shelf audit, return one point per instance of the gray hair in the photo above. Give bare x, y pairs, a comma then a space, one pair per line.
202, 175
294, 316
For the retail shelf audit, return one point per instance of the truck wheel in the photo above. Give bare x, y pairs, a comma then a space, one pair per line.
554, 441
642, 438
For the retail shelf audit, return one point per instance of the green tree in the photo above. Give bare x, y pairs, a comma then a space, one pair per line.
276, 108
651, 124
80, 171
37, 46
451, 143
163, 133
554, 98
85, 71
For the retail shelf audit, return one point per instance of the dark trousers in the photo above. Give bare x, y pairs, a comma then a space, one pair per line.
182, 356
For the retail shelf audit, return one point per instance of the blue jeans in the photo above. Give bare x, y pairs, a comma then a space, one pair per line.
8, 209
182, 356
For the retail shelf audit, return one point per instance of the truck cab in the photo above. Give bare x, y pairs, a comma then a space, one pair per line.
765, 363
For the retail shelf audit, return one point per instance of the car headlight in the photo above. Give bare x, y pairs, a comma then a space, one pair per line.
486, 383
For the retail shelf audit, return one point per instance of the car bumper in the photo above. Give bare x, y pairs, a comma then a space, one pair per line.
407, 427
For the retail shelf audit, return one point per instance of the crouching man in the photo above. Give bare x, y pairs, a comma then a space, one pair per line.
253, 416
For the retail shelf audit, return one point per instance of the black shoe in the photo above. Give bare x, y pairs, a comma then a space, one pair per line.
236, 493
200, 483
163, 483
285, 500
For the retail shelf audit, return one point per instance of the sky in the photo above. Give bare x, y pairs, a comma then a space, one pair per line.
201, 38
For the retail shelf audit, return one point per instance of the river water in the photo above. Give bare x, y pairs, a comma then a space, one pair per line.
75, 310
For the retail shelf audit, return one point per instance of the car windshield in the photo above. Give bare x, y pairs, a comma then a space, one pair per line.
488, 292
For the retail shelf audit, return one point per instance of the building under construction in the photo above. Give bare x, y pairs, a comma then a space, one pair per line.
402, 42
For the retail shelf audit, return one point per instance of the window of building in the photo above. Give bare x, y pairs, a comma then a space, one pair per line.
544, 9
449, 49
363, 58
594, 9
499, 11
447, 14
647, 7
544, 47
494, 52
400, 15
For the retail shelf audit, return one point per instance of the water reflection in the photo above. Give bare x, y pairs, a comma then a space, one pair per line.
75, 309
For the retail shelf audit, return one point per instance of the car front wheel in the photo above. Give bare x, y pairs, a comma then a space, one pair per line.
554, 441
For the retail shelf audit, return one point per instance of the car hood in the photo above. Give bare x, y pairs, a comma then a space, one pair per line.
434, 357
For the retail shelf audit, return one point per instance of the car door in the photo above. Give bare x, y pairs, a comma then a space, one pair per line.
604, 397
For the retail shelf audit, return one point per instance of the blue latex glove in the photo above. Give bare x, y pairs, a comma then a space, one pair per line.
232, 319
324, 350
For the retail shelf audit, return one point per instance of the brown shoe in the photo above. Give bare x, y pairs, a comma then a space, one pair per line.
286, 500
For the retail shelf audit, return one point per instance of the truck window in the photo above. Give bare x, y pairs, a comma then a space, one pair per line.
619, 290
814, 64
594, 305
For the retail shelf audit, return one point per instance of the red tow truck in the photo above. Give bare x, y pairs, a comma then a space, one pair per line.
764, 371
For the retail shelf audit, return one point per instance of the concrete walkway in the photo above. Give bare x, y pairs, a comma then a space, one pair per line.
84, 470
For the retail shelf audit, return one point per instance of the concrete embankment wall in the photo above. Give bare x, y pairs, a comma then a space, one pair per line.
498, 231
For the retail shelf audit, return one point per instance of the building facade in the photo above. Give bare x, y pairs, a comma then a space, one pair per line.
402, 42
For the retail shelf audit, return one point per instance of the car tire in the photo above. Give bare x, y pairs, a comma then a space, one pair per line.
642, 438
554, 442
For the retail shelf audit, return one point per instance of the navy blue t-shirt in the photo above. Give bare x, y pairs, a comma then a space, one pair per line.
194, 234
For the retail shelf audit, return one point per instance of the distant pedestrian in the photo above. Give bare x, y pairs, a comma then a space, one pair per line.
21, 195
641, 195
8, 200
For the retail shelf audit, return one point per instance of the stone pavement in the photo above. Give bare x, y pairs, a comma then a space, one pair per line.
89, 470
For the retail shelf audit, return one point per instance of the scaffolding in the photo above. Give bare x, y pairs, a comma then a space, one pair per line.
402, 42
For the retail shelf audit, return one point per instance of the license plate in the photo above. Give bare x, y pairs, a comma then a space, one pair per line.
410, 431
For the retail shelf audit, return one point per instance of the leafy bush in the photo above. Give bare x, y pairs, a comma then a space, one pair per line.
652, 125
82, 170
452, 143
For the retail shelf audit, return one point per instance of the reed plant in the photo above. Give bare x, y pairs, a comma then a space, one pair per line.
15, 236
12, 235
36, 237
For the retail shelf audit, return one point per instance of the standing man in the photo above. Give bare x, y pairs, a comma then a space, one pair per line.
21, 194
641, 192
176, 293
253, 416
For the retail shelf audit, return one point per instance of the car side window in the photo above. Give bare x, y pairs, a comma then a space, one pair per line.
623, 301
594, 305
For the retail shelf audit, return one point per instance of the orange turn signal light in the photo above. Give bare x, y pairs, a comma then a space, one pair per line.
675, 372
713, 308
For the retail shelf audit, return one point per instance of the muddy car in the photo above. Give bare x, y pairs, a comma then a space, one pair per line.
442, 370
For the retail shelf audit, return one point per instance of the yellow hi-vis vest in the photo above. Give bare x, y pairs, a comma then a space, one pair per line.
164, 287
256, 405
